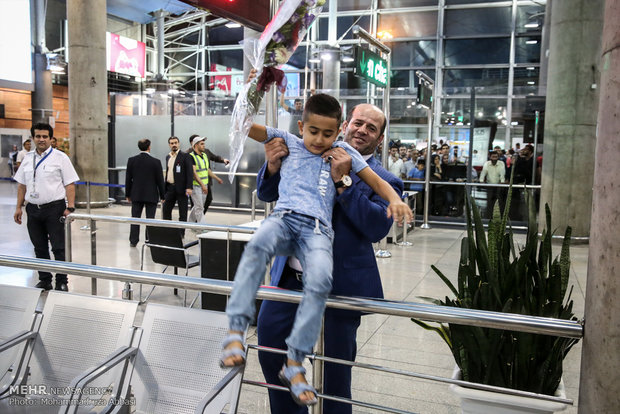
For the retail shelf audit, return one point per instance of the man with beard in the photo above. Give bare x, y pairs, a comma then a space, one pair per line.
359, 219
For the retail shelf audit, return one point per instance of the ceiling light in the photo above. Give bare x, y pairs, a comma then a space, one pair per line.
173, 92
149, 90
514, 123
326, 56
530, 68
531, 42
347, 59
531, 83
314, 60
384, 35
232, 25
531, 25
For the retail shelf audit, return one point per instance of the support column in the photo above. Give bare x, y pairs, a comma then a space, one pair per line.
41, 98
331, 72
88, 92
571, 110
599, 387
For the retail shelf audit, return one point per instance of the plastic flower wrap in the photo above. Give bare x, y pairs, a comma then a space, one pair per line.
275, 47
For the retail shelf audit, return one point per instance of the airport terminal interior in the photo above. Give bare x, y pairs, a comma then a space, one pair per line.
469, 81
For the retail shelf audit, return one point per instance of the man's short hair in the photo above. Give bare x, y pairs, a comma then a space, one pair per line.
298, 100
381, 129
144, 144
324, 105
171, 138
28, 140
42, 126
191, 138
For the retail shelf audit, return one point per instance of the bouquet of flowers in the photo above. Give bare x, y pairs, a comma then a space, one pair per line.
275, 47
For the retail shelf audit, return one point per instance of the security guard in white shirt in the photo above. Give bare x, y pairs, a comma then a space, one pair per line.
46, 178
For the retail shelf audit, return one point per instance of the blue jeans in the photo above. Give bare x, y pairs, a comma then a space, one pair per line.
289, 234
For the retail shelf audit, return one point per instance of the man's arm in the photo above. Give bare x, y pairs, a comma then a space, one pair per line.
484, 172
70, 190
502, 173
187, 160
159, 178
268, 178
129, 179
283, 103
215, 177
216, 158
397, 208
21, 197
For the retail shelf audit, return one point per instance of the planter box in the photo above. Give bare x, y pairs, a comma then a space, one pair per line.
484, 402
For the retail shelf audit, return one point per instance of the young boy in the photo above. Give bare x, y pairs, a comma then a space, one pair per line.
300, 226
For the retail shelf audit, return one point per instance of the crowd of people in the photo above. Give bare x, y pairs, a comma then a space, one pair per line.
447, 164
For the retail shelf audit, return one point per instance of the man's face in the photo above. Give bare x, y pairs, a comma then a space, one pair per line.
445, 149
42, 140
363, 131
494, 158
445, 159
525, 152
403, 152
200, 146
319, 132
414, 154
298, 105
14, 147
27, 145
394, 152
174, 145
54, 142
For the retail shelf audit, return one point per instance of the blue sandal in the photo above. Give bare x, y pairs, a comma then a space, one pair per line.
227, 353
286, 375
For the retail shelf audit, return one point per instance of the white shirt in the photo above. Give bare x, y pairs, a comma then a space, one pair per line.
20, 156
495, 174
396, 167
52, 175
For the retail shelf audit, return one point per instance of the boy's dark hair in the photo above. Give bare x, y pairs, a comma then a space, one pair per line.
350, 116
144, 144
324, 105
191, 138
298, 100
421, 161
42, 125
171, 138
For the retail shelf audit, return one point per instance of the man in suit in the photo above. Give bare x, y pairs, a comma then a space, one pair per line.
359, 219
179, 178
144, 186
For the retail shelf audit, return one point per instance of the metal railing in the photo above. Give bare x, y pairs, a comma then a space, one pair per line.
426, 312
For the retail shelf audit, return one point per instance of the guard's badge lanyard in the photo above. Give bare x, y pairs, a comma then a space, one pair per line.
33, 193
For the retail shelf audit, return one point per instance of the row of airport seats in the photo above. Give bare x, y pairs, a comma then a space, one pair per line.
85, 354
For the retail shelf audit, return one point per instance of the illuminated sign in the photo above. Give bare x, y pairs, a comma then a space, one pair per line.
15, 44
125, 55
370, 66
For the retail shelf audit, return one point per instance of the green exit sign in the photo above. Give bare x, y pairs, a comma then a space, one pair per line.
370, 66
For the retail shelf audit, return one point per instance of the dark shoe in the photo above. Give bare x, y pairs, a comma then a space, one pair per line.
133, 244
61, 286
44, 284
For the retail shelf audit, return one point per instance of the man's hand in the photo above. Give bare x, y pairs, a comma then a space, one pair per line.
219, 180
275, 150
399, 210
205, 189
128, 199
18, 215
188, 191
226, 161
340, 161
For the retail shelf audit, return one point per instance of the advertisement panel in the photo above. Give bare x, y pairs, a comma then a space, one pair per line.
125, 55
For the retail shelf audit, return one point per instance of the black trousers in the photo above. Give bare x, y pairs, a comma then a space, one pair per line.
209, 198
136, 211
172, 198
43, 225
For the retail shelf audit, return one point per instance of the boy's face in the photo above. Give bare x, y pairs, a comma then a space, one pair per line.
319, 132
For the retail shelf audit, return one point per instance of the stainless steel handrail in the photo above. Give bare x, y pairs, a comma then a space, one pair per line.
426, 312
161, 223
475, 184
433, 313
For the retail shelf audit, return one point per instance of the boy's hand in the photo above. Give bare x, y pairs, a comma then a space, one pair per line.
399, 210
340, 162
252, 75
275, 150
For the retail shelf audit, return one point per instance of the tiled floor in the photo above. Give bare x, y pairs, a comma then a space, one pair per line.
382, 340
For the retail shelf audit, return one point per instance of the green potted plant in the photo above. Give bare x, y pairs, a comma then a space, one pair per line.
497, 275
